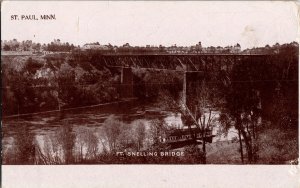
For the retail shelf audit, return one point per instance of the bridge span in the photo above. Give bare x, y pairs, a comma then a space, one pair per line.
178, 62
192, 66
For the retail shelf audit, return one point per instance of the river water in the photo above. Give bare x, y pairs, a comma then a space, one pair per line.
41, 127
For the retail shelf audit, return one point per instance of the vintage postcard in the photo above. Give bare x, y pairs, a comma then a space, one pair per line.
161, 84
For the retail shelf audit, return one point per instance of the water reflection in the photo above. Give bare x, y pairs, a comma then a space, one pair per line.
85, 136
20, 149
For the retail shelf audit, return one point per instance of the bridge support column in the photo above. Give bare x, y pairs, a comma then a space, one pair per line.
126, 83
184, 89
191, 80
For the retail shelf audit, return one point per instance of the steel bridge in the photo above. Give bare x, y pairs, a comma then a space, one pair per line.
178, 62
193, 66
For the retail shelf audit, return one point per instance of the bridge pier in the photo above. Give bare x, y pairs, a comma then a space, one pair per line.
191, 79
126, 83
184, 89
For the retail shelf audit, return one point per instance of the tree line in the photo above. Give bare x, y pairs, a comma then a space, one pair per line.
29, 45
254, 98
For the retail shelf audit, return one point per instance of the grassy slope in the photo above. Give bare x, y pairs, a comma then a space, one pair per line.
276, 147
223, 153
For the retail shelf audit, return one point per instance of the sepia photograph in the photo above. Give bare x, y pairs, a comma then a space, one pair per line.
149, 83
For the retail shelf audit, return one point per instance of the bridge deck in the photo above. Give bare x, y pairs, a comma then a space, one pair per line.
184, 54
180, 62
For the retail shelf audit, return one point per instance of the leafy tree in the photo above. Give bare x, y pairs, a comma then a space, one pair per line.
6, 47
243, 104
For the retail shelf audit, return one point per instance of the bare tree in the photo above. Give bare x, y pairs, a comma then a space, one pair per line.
112, 130
91, 141
66, 139
197, 112
139, 131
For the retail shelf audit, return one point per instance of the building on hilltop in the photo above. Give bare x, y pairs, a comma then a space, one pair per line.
95, 46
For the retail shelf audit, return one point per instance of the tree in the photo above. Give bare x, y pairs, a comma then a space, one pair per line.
66, 138
139, 133
197, 112
227, 122
36, 47
66, 85
91, 141
25, 146
206, 104
157, 130
112, 130
200, 109
6, 47
243, 104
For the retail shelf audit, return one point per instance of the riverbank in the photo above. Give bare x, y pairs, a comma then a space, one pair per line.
275, 147
124, 101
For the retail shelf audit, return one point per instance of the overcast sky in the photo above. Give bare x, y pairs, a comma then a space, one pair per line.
140, 23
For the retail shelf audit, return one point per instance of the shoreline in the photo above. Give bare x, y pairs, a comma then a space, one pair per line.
68, 109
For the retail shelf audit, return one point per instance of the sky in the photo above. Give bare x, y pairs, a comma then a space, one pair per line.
251, 24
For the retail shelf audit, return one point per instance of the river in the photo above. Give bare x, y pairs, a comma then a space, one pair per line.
41, 127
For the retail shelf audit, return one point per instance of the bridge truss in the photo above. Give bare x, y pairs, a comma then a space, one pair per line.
179, 62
